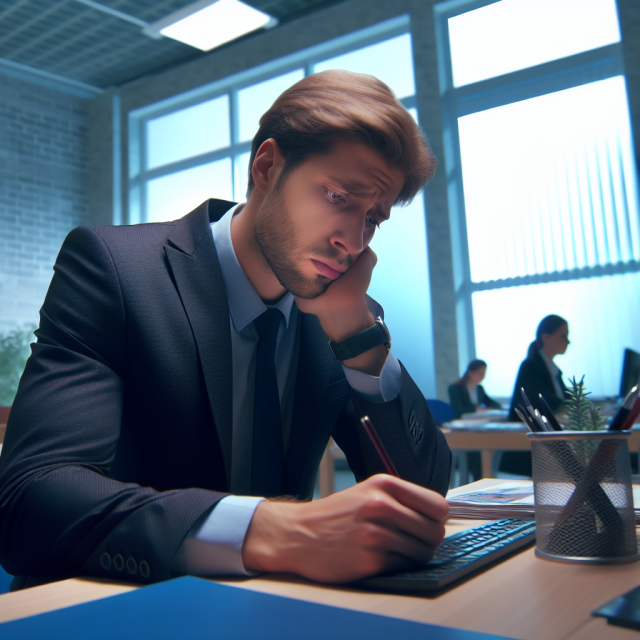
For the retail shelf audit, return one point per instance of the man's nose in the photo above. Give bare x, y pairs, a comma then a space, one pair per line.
350, 237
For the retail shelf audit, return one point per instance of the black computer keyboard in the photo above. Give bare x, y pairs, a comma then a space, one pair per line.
459, 555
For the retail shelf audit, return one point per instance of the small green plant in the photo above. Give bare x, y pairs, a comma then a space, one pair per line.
582, 413
14, 351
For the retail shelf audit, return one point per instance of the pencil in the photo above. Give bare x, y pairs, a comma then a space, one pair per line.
377, 443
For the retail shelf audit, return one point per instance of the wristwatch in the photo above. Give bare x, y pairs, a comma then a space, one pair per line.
361, 342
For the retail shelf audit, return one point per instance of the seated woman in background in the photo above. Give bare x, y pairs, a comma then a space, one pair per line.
538, 375
467, 395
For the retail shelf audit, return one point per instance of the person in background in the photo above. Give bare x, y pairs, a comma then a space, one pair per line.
539, 375
467, 395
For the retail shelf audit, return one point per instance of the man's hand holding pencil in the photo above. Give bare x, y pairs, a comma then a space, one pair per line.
383, 524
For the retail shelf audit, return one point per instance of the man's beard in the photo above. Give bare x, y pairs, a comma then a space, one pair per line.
276, 241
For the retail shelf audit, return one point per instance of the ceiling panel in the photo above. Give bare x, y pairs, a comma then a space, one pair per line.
73, 40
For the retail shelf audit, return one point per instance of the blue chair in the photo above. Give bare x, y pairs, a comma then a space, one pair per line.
441, 411
5, 581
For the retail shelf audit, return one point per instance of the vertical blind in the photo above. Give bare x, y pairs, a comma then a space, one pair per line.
551, 182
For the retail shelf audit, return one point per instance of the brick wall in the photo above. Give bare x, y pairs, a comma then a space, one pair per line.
44, 193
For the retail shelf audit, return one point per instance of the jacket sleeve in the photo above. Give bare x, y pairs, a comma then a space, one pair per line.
410, 435
60, 513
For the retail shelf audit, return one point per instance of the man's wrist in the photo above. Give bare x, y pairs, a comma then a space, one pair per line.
344, 323
265, 545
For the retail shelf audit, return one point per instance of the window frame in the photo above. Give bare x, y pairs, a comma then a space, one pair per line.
549, 77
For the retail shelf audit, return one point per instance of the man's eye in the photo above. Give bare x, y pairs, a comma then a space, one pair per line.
371, 222
334, 197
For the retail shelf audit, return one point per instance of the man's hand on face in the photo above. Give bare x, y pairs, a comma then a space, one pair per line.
343, 312
342, 308
380, 525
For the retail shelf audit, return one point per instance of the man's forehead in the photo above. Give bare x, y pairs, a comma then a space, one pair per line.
358, 188
360, 170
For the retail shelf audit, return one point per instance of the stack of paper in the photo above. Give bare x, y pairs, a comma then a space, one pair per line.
479, 425
508, 499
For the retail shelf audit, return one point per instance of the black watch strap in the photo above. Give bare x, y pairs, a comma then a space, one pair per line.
361, 342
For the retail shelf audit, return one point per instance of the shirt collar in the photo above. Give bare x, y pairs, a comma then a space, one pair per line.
245, 305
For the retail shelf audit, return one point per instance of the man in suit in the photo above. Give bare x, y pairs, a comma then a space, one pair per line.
183, 372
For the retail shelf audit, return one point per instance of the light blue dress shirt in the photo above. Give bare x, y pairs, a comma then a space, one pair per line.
214, 544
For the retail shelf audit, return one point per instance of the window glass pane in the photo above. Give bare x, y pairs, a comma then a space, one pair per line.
188, 132
400, 283
414, 114
391, 61
516, 34
241, 170
550, 183
256, 99
173, 196
602, 314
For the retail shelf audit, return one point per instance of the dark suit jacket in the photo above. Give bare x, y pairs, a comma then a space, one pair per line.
120, 435
460, 400
534, 376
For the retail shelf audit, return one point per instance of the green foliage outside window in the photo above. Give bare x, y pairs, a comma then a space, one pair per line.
14, 351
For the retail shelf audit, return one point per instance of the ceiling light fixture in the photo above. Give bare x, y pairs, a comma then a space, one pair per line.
210, 23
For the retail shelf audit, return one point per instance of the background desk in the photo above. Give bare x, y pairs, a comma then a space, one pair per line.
522, 597
491, 439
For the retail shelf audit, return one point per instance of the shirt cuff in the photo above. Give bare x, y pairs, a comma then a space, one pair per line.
377, 389
213, 547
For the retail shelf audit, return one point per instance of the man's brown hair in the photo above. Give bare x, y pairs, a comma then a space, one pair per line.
333, 106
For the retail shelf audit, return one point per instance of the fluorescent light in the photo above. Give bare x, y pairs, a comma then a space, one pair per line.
208, 24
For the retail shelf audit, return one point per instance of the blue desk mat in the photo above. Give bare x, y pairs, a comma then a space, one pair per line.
188, 607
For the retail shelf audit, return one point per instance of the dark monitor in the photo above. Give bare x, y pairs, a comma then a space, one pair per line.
630, 371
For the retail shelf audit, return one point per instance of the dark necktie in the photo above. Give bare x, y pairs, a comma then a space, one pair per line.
267, 467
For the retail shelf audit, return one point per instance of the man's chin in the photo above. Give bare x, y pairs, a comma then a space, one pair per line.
308, 290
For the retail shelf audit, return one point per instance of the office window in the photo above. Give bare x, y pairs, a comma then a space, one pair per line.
549, 181
170, 196
254, 100
197, 146
391, 61
188, 132
510, 35
506, 321
544, 193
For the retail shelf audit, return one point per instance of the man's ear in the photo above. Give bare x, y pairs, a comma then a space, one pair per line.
267, 165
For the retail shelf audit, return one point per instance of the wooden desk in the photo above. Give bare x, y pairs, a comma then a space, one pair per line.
522, 597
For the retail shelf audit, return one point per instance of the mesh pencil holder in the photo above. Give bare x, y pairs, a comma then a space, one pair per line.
583, 496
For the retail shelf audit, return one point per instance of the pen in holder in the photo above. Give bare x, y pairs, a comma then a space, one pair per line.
583, 496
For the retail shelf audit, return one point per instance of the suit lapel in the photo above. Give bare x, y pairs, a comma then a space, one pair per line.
312, 419
195, 266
